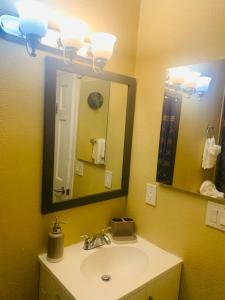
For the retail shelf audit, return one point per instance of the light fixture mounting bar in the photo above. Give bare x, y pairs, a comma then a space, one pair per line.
9, 30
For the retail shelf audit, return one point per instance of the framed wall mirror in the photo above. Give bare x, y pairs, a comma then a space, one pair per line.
192, 139
87, 135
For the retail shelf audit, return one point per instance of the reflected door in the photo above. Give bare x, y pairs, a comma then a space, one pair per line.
65, 133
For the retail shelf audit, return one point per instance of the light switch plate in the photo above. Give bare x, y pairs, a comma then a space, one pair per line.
151, 191
215, 215
79, 168
108, 179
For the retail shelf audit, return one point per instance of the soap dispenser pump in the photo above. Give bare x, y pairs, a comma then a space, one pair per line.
55, 242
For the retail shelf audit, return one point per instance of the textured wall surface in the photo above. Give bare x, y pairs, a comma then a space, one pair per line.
173, 33
23, 229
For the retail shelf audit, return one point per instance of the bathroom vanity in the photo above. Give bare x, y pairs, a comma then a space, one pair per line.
134, 271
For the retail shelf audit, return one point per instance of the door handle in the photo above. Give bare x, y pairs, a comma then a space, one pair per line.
62, 191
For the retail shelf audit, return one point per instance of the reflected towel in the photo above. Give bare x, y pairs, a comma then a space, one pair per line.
98, 153
208, 188
210, 154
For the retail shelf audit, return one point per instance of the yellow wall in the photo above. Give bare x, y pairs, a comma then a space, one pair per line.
23, 229
173, 33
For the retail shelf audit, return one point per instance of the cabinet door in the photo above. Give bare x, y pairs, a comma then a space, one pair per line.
50, 290
166, 287
141, 295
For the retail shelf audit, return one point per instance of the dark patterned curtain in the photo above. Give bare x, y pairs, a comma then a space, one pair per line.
220, 172
168, 137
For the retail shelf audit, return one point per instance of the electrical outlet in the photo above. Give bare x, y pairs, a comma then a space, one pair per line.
79, 168
151, 191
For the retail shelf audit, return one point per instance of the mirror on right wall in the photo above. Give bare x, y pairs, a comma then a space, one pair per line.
191, 153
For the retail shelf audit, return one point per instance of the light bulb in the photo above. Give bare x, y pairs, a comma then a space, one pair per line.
191, 78
178, 75
73, 32
203, 84
102, 45
33, 17
33, 23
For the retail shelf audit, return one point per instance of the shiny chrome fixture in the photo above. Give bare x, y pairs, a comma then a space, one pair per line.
96, 240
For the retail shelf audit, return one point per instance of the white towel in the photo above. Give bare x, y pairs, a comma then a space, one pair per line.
210, 154
98, 153
208, 188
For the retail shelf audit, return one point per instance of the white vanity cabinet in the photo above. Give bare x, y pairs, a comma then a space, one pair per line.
138, 271
165, 287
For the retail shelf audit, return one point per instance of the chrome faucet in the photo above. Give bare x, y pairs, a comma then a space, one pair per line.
96, 240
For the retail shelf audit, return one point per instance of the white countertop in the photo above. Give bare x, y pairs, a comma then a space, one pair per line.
68, 271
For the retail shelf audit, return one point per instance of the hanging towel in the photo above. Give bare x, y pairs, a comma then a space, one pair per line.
210, 154
208, 188
98, 153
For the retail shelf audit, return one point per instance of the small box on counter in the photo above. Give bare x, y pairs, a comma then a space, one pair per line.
123, 229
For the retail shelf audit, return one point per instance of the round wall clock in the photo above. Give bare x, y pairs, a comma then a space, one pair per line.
95, 100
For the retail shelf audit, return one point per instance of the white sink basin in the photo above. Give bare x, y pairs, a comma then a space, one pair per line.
131, 266
117, 262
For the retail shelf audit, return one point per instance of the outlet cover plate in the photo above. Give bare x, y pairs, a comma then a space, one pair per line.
151, 193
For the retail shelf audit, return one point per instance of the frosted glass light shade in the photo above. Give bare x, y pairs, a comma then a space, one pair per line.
33, 17
102, 45
183, 76
177, 75
190, 81
203, 84
73, 32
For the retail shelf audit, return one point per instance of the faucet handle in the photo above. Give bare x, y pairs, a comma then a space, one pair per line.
106, 239
87, 239
85, 236
105, 230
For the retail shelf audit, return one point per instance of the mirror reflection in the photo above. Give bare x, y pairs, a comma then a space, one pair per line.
192, 139
89, 135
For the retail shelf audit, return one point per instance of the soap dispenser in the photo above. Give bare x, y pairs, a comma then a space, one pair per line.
55, 242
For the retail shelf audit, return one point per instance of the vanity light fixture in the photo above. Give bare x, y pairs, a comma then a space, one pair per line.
203, 83
102, 45
33, 23
70, 36
187, 82
99, 50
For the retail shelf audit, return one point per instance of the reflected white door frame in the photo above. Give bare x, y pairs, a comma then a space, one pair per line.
67, 95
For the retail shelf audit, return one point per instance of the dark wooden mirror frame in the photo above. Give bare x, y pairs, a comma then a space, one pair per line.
52, 65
